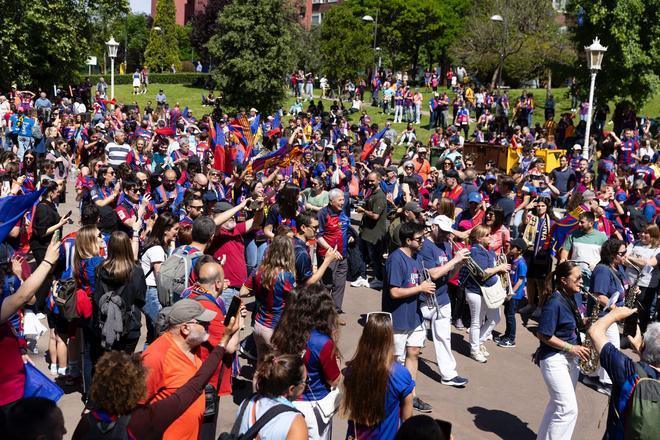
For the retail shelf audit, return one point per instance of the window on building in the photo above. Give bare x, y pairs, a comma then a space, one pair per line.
317, 2
317, 17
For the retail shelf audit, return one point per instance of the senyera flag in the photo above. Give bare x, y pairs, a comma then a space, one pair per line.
12, 208
371, 144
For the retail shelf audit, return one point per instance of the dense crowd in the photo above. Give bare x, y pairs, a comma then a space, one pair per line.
181, 214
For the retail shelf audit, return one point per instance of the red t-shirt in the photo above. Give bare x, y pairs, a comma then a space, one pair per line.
12, 371
230, 244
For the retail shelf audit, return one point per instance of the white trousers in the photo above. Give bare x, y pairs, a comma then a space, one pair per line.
560, 374
307, 410
398, 113
483, 320
440, 324
612, 334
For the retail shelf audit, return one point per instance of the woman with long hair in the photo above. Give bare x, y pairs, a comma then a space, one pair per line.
153, 252
609, 283
499, 235
378, 391
309, 328
482, 319
639, 253
271, 284
284, 212
559, 328
104, 194
120, 384
537, 222
120, 274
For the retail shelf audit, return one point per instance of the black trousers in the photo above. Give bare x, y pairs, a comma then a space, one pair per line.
372, 253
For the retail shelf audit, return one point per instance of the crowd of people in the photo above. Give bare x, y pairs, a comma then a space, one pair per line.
180, 215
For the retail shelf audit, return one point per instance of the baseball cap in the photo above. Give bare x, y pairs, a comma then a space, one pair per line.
187, 309
222, 206
490, 176
443, 222
646, 158
577, 147
475, 197
452, 173
408, 163
519, 243
210, 196
392, 169
413, 207
421, 150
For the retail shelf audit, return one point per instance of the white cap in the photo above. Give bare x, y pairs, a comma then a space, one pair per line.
577, 147
443, 222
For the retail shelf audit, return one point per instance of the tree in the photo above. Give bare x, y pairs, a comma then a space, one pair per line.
253, 53
630, 29
44, 43
162, 51
204, 26
134, 29
486, 44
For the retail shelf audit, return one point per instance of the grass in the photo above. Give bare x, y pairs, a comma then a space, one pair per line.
191, 97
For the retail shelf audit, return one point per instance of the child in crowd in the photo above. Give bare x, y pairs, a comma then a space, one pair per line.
518, 281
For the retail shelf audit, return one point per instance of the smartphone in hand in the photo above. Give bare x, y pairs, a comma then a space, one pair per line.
232, 312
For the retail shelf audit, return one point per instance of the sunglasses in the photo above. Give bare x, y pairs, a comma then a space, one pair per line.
203, 324
621, 254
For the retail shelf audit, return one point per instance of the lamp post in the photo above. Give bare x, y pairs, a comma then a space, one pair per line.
112, 53
370, 19
498, 19
595, 54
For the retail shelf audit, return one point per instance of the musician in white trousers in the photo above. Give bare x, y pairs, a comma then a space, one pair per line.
559, 351
437, 257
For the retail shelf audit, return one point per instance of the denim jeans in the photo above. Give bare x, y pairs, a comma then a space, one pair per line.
227, 295
24, 144
254, 254
150, 309
510, 319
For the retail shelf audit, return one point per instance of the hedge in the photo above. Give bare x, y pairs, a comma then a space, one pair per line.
192, 78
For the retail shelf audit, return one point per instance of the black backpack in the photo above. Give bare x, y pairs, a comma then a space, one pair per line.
114, 430
251, 433
65, 298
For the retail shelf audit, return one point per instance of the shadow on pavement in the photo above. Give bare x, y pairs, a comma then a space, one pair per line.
501, 423
460, 344
428, 370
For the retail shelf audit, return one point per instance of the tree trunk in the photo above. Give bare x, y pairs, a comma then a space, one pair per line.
414, 64
493, 79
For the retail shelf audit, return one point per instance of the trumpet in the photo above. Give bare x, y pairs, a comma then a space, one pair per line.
475, 270
431, 300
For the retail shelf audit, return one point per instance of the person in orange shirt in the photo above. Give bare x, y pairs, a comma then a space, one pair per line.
171, 360
421, 163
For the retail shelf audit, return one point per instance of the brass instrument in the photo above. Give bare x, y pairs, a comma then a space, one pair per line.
475, 270
431, 300
506, 279
630, 301
589, 366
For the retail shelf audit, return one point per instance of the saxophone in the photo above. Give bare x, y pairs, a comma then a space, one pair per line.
506, 279
589, 366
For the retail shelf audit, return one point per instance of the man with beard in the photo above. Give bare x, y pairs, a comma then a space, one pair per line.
169, 195
372, 232
172, 359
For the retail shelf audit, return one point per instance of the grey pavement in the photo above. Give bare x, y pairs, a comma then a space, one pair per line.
505, 398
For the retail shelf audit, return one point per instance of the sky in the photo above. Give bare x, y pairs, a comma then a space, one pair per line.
141, 6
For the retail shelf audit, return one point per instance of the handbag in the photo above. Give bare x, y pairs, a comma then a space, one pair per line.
494, 295
37, 384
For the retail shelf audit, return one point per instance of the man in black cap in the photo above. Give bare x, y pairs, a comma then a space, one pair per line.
410, 213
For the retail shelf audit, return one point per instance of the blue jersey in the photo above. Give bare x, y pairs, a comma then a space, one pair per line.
519, 272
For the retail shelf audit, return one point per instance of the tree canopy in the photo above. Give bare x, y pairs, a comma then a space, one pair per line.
630, 29
253, 54
44, 43
162, 51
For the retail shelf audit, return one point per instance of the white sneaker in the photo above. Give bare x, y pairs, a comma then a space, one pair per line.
360, 282
478, 356
484, 351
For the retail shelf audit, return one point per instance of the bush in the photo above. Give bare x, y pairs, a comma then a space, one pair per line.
193, 78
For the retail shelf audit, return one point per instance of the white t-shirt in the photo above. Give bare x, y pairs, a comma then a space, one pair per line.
155, 254
650, 275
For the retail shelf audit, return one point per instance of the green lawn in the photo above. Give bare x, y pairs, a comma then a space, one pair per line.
191, 97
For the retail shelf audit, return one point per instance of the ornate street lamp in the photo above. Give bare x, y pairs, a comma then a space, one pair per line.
112, 53
595, 54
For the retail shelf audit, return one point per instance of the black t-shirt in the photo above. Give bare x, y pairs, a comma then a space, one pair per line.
508, 206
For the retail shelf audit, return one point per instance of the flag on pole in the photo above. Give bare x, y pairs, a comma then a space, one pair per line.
371, 144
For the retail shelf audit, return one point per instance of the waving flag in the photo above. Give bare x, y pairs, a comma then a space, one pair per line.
12, 208
219, 153
236, 129
371, 144
275, 128
275, 158
562, 229
254, 126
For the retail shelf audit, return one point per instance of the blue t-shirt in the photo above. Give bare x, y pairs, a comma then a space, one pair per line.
557, 319
399, 386
519, 272
304, 269
608, 282
485, 259
321, 364
433, 256
621, 370
402, 271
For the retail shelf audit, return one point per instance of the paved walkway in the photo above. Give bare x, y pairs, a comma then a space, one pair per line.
505, 397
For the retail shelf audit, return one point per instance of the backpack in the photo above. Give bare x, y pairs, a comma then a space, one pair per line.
110, 430
260, 423
174, 275
642, 420
65, 296
114, 316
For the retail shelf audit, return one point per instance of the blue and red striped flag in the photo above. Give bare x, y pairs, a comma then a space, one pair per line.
371, 143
